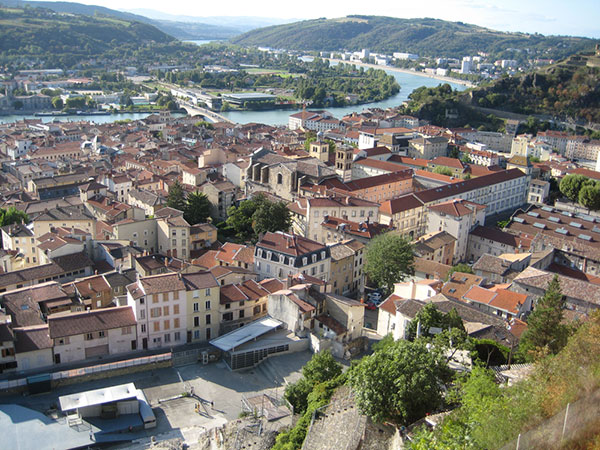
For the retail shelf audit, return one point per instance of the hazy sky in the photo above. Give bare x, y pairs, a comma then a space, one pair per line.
566, 17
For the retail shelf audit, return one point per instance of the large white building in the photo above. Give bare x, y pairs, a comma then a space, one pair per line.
280, 255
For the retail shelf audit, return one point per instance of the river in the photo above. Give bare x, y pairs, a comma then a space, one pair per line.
408, 83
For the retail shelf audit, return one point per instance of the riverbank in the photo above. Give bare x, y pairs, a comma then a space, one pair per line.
407, 71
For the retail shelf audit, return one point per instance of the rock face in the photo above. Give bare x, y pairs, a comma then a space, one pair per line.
342, 426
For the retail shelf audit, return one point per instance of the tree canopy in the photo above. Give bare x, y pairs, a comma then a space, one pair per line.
197, 208
176, 197
389, 259
257, 215
570, 186
400, 382
12, 215
545, 331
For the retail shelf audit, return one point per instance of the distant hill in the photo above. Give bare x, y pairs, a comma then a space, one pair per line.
178, 29
426, 37
36, 34
568, 89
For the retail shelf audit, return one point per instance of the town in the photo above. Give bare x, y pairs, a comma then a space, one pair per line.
360, 232
143, 242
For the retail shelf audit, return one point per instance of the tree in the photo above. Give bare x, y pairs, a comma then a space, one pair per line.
589, 196
176, 198
400, 382
271, 216
389, 259
430, 316
57, 103
321, 367
443, 171
570, 186
258, 215
197, 208
12, 215
460, 267
545, 332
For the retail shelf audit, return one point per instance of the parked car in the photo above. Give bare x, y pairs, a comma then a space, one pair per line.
375, 297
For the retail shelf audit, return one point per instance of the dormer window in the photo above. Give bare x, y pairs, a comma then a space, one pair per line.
304, 261
322, 255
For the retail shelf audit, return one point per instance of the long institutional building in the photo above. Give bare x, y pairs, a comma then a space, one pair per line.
500, 191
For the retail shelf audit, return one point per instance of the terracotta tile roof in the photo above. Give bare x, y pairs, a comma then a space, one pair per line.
459, 283
89, 287
404, 203
432, 268
388, 305
272, 284
332, 324
29, 339
448, 162
166, 282
249, 290
72, 324
456, 207
289, 244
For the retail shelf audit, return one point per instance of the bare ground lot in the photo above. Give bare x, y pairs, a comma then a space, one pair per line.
178, 418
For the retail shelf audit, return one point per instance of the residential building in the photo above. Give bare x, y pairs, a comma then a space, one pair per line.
538, 192
436, 246
173, 233
456, 217
428, 147
222, 195
240, 304
309, 213
88, 334
20, 239
280, 254
495, 242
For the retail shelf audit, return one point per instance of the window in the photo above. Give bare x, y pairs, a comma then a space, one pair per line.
196, 307
156, 326
228, 316
142, 314
155, 312
241, 313
168, 337
183, 242
174, 242
227, 305
322, 268
176, 322
177, 336
196, 321
175, 295
125, 330
197, 334
165, 310
207, 304
208, 334
196, 294
143, 328
175, 309
89, 337
101, 334
207, 293
154, 298
142, 300
167, 324
208, 319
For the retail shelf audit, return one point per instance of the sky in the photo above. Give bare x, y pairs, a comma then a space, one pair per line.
562, 17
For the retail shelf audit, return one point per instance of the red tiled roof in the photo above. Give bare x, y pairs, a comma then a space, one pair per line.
71, 324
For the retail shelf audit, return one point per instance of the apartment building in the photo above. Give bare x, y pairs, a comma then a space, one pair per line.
82, 335
173, 236
309, 213
280, 254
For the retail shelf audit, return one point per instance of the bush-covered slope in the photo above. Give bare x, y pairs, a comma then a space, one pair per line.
427, 37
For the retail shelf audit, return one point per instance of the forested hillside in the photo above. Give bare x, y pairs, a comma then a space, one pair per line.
426, 37
62, 40
570, 88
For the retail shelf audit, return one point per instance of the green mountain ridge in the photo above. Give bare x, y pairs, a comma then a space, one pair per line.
426, 37
180, 30
63, 40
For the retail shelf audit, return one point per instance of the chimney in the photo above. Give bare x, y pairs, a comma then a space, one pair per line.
166, 262
89, 285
